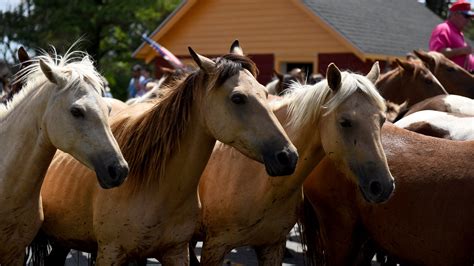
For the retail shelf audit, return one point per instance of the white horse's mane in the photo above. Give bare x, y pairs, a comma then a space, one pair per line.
306, 103
74, 66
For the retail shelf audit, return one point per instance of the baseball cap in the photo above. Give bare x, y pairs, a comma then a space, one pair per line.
462, 6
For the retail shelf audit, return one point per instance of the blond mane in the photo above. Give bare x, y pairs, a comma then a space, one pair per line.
149, 140
74, 66
307, 103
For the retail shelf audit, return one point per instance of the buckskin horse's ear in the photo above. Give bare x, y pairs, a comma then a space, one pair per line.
236, 49
203, 62
333, 76
374, 72
407, 66
427, 59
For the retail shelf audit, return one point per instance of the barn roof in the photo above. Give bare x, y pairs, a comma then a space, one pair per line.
383, 27
372, 28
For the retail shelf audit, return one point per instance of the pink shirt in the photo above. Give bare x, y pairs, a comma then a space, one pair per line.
446, 35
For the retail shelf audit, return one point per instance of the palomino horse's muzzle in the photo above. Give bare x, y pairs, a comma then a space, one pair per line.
282, 162
375, 185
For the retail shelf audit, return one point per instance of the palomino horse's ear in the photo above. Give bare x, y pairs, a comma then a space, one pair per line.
49, 73
236, 49
427, 59
203, 62
333, 76
374, 72
407, 66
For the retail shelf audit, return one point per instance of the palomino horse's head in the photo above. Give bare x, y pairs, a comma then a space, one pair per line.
454, 78
351, 128
236, 111
76, 117
411, 81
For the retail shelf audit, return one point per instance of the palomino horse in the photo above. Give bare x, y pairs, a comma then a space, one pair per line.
411, 81
282, 83
439, 124
454, 78
168, 143
60, 107
427, 221
241, 205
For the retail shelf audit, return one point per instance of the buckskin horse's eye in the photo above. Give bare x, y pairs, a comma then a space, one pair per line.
238, 99
345, 123
451, 69
77, 112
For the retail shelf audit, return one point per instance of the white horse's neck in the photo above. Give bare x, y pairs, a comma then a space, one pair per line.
23, 139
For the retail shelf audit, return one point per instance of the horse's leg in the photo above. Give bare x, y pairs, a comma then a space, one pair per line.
177, 255
213, 254
110, 255
270, 254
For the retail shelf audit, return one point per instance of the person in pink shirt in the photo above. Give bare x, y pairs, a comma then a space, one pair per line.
448, 39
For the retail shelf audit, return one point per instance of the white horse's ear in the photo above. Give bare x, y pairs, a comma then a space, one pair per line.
49, 73
236, 49
428, 60
374, 72
333, 77
203, 62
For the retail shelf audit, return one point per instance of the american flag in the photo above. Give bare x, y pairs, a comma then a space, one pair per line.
167, 55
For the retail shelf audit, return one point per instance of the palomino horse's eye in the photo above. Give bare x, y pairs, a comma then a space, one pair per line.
238, 99
345, 123
77, 112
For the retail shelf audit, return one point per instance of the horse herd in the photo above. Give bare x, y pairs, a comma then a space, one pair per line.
208, 155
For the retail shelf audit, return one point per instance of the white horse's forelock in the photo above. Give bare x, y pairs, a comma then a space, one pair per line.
76, 66
307, 103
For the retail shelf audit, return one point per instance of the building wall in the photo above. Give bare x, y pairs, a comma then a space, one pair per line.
278, 27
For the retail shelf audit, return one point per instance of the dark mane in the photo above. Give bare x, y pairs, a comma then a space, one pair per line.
149, 140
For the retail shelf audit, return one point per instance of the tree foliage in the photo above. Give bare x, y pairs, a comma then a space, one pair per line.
111, 30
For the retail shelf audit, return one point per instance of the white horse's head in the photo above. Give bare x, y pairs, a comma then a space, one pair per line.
76, 117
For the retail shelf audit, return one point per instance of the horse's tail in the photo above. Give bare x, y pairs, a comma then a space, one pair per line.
38, 249
310, 235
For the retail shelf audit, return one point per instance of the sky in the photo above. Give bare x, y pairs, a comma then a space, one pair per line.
8, 4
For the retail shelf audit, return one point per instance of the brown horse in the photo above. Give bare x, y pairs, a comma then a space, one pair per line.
241, 205
427, 221
455, 79
168, 143
410, 82
439, 124
17, 84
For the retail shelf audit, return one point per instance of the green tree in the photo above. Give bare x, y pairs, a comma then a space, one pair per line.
111, 30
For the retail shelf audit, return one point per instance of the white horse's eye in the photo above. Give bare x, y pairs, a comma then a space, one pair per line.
77, 112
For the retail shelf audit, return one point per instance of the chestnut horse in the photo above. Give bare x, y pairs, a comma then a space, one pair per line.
455, 79
439, 124
168, 143
60, 107
410, 82
428, 220
241, 205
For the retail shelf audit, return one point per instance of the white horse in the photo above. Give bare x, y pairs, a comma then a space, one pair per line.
59, 107
439, 124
